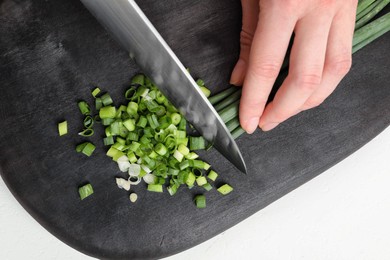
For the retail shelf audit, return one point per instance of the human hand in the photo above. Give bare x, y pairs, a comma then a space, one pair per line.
320, 56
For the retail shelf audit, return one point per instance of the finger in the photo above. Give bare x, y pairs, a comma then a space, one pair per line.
338, 56
270, 42
306, 67
250, 14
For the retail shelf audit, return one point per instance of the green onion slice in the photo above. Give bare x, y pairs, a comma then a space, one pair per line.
85, 191
63, 128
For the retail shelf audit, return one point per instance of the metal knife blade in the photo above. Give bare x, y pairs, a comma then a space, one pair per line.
132, 29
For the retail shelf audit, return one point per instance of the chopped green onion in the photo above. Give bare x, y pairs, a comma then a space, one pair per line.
200, 201
132, 157
152, 120
142, 122
207, 186
133, 197
184, 164
200, 164
85, 191
160, 98
130, 93
88, 121
225, 189
63, 128
132, 108
138, 80
113, 152
183, 124
175, 118
183, 149
95, 92
108, 140
123, 184
86, 132
86, 148
205, 91
129, 124
84, 108
212, 175
107, 112
191, 156
106, 99
161, 149
155, 187
197, 143
107, 121
172, 189
164, 122
98, 103
190, 179
201, 180
200, 82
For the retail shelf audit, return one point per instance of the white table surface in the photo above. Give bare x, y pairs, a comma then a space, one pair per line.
342, 214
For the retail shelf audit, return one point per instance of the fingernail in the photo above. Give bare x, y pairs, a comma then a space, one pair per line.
251, 125
237, 74
269, 126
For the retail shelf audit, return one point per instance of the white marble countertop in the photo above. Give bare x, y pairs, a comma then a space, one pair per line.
342, 214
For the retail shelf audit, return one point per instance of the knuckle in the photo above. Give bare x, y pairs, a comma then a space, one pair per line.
341, 65
265, 70
308, 81
246, 38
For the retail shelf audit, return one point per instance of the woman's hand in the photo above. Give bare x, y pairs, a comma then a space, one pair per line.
320, 56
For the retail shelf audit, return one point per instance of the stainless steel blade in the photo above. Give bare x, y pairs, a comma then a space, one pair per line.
132, 29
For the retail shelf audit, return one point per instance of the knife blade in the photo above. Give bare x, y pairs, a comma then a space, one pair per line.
132, 29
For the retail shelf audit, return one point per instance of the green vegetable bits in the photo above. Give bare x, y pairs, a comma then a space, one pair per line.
85, 191
63, 128
225, 189
148, 139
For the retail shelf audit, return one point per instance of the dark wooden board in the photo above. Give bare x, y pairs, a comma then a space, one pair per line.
51, 55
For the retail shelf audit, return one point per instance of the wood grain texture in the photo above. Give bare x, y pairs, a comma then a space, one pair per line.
54, 52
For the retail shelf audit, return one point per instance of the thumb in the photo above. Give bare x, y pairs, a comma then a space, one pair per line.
250, 15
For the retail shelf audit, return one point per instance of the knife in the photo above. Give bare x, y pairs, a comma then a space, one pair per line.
132, 29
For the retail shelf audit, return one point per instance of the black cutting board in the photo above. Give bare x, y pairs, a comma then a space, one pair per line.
53, 52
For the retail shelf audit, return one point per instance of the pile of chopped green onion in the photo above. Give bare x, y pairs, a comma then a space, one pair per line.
147, 138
